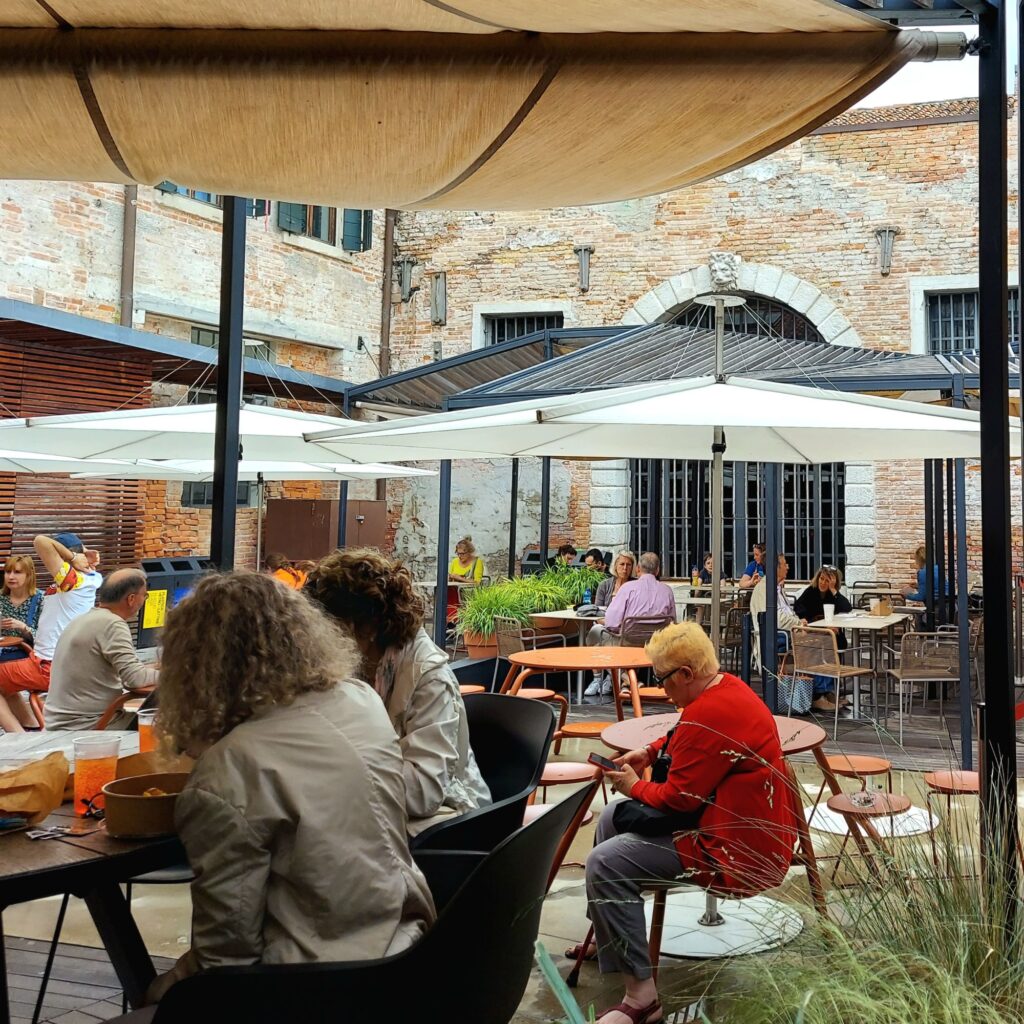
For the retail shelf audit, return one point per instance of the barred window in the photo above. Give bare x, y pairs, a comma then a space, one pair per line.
500, 327
953, 320
671, 514
200, 495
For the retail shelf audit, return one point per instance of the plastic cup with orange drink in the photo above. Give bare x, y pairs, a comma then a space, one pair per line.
147, 719
95, 766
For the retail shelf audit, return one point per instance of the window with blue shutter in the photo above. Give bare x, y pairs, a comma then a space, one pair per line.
356, 230
292, 217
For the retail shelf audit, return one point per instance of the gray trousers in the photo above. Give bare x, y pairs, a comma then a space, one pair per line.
617, 869
601, 636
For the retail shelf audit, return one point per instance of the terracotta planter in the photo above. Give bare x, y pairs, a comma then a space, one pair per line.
479, 645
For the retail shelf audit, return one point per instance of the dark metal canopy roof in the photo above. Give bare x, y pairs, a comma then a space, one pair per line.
176, 362
918, 13
428, 386
672, 351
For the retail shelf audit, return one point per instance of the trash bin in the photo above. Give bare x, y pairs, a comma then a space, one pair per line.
170, 579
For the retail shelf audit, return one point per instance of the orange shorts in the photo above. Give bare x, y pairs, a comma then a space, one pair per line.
24, 674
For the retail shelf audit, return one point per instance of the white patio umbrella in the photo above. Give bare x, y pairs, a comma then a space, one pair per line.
34, 462
676, 419
171, 432
751, 420
201, 470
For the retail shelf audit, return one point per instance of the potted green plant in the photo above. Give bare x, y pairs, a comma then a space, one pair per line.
480, 606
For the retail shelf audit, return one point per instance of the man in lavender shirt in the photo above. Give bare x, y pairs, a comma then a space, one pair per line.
644, 597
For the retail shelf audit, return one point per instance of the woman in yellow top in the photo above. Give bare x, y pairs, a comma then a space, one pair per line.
465, 567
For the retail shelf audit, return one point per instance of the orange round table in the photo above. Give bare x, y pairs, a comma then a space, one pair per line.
580, 659
795, 736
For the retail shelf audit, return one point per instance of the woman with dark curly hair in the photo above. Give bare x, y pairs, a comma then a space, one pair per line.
374, 598
294, 816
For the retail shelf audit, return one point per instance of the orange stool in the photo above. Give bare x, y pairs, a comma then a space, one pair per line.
885, 805
584, 730
468, 688
855, 766
949, 785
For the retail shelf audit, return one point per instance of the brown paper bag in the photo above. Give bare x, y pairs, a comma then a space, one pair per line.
35, 789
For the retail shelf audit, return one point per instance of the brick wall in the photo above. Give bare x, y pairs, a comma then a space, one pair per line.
811, 211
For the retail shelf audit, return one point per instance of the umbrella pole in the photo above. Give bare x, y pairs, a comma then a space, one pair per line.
717, 498
260, 485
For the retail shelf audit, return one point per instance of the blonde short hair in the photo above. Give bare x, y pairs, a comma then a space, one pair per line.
240, 643
683, 645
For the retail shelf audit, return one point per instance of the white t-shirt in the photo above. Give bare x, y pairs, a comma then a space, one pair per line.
72, 594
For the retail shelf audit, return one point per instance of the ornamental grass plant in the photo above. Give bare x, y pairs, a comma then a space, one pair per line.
923, 944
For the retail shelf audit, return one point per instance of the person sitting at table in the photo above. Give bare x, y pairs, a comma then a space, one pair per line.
96, 661
918, 593
564, 557
810, 607
785, 619
754, 571
281, 569
622, 572
594, 559
74, 569
293, 818
373, 598
20, 601
706, 577
728, 813
644, 597
466, 566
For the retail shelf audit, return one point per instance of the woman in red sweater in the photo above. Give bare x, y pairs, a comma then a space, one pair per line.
732, 827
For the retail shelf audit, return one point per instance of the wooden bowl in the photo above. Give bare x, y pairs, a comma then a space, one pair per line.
130, 815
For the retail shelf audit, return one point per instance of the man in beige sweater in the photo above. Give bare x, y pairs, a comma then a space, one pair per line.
95, 660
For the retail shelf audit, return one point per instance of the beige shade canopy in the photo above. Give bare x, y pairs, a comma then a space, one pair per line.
419, 104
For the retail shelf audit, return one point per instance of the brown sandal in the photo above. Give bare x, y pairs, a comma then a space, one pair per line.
637, 1014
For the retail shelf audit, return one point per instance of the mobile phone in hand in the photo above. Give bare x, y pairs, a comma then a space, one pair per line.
603, 763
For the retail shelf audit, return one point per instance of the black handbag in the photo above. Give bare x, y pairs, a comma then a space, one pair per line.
642, 819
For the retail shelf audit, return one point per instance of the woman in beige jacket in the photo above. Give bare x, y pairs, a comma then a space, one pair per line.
374, 598
294, 817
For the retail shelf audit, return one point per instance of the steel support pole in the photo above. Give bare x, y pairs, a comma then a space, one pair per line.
444, 515
226, 441
513, 514
938, 542
343, 490
999, 782
769, 642
964, 634
545, 508
717, 488
929, 545
950, 582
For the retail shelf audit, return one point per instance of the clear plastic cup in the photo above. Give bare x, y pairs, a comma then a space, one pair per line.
829, 611
95, 766
147, 740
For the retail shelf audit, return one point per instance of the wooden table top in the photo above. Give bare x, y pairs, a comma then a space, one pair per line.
572, 659
796, 736
33, 868
884, 805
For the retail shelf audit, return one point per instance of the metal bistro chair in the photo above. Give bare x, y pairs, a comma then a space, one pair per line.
924, 658
732, 636
512, 637
635, 632
862, 591
816, 653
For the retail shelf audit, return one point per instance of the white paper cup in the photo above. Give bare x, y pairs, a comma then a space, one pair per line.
874, 606
830, 613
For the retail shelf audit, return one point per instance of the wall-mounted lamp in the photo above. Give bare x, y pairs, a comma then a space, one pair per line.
885, 238
405, 265
439, 298
583, 253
